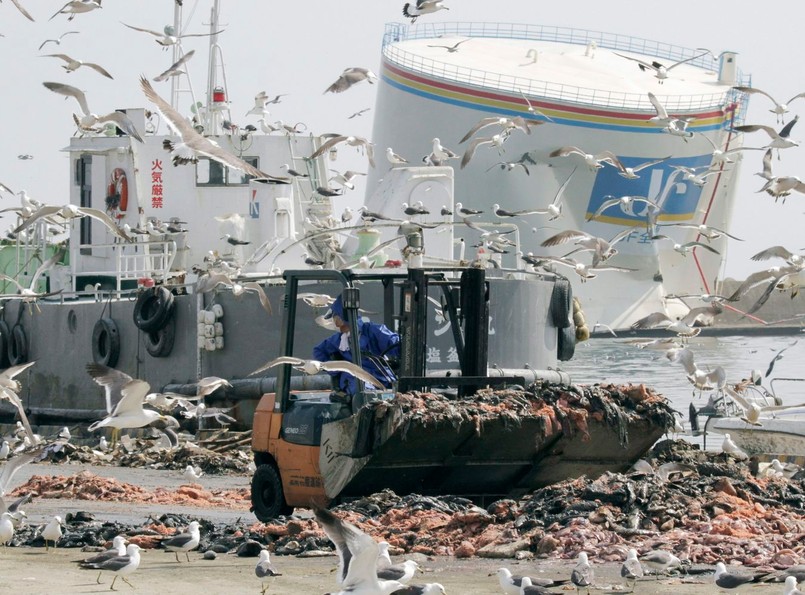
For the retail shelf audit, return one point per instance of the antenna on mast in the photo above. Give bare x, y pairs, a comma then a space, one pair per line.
178, 52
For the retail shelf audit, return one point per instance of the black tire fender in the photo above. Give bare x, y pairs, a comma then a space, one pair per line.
152, 309
17, 346
268, 499
561, 303
566, 343
159, 343
105, 342
5, 339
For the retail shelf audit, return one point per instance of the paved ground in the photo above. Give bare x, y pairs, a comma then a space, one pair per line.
34, 571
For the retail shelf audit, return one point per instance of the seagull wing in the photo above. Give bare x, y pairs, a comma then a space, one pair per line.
700, 245
12, 466
603, 207
686, 60
133, 395
284, 359
471, 149
12, 397
24, 12
175, 66
357, 552
650, 163
786, 130
774, 251
350, 368
797, 96
98, 68
47, 265
565, 236
70, 91
328, 144
12, 280
660, 108
751, 281
111, 380
43, 212
194, 140
261, 294
123, 122
482, 123
755, 127
105, 219
651, 320
753, 90
154, 33
565, 151
643, 64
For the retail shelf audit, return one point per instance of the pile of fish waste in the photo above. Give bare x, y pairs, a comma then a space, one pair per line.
88, 486
560, 408
231, 454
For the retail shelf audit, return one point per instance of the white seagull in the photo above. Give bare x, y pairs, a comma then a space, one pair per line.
69, 212
193, 144
122, 566
700, 379
631, 569
496, 140
393, 158
312, 366
439, 155
413, 11
349, 77
780, 109
728, 446
626, 203
73, 64
352, 141
128, 394
263, 569
168, 36
57, 41
583, 574
175, 68
660, 561
594, 162
89, 120
183, 542
779, 140
52, 532
357, 557
192, 473
660, 71
77, 7
118, 549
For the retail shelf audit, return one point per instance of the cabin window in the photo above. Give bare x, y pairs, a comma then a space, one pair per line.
214, 173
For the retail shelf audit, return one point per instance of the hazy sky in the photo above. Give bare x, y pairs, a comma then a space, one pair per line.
300, 47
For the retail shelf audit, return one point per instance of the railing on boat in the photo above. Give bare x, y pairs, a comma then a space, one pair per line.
133, 261
396, 32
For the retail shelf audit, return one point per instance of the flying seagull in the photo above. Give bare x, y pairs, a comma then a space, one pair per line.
593, 161
352, 141
77, 7
193, 144
168, 35
312, 366
69, 212
72, 64
349, 77
779, 140
660, 71
357, 557
413, 11
780, 109
58, 40
89, 119
175, 68
451, 48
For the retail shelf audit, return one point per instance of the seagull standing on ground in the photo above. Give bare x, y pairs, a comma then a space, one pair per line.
52, 532
729, 447
660, 561
122, 566
631, 570
183, 542
583, 574
118, 549
393, 158
264, 570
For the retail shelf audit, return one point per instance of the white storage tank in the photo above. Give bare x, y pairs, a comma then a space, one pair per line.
589, 90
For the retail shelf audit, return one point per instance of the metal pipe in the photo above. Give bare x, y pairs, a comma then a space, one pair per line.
554, 376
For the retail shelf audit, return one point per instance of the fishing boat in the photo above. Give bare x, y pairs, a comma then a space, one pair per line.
777, 433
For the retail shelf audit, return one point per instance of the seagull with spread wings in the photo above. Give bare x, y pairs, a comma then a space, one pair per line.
779, 140
780, 109
57, 41
626, 203
312, 366
89, 120
660, 71
69, 212
29, 294
72, 64
420, 7
593, 161
175, 68
601, 248
507, 125
9, 391
352, 141
350, 77
75, 7
168, 36
193, 144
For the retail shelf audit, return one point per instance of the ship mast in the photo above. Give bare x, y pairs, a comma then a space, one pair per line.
217, 102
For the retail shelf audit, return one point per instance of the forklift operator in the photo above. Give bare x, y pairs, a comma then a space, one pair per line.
376, 342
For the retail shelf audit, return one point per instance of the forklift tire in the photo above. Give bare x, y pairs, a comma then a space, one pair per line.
268, 501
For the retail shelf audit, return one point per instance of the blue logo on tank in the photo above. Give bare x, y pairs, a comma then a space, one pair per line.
678, 198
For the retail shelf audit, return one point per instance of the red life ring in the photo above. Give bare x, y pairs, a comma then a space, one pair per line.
120, 186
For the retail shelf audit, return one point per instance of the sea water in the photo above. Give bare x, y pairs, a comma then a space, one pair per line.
616, 360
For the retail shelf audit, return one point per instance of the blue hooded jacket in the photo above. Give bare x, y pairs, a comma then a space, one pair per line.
376, 340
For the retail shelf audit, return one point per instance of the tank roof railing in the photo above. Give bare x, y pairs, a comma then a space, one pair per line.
396, 32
